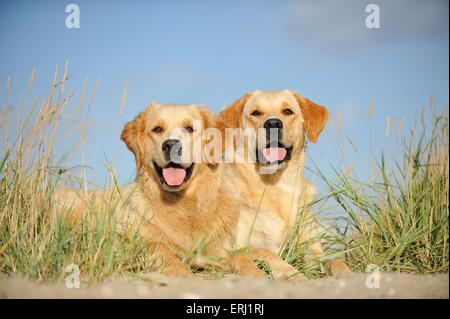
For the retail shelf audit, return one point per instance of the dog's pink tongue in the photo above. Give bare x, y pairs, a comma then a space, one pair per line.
174, 176
273, 154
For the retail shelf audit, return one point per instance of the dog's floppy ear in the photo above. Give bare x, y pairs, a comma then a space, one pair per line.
210, 120
314, 116
132, 135
232, 115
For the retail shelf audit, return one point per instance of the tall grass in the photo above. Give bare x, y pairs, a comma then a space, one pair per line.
36, 241
398, 220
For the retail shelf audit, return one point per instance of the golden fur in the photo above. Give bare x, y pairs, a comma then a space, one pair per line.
175, 219
269, 203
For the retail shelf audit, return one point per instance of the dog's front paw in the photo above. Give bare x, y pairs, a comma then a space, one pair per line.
339, 268
288, 273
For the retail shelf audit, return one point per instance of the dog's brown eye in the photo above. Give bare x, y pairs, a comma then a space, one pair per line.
255, 113
189, 129
287, 112
157, 129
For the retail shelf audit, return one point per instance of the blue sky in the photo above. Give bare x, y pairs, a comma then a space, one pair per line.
211, 52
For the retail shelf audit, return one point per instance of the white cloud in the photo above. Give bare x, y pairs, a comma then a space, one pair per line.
340, 25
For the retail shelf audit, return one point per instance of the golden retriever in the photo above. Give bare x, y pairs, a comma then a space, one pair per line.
183, 204
272, 189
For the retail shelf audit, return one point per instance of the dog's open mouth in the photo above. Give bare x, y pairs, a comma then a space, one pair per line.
174, 174
274, 154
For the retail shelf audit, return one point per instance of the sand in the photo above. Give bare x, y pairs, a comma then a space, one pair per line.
387, 285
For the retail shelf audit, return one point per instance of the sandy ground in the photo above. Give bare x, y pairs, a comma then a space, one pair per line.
390, 285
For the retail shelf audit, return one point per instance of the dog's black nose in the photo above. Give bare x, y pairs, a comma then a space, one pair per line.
273, 123
171, 147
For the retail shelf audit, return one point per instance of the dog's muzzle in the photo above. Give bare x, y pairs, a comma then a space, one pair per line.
172, 150
274, 152
173, 174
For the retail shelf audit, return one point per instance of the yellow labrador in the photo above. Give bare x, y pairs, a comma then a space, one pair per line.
272, 189
179, 203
